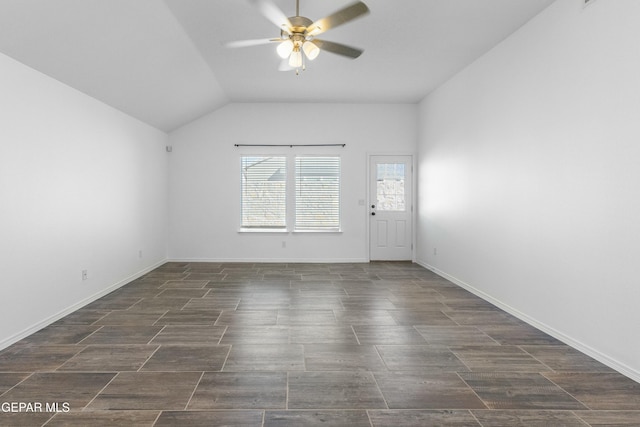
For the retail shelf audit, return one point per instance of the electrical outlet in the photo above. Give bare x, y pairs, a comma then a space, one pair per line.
140, 253
85, 275
435, 251
284, 244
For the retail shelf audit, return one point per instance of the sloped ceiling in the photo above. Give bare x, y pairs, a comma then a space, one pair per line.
164, 61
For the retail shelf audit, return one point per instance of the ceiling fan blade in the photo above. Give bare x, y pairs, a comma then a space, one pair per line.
273, 14
284, 65
338, 48
249, 43
340, 17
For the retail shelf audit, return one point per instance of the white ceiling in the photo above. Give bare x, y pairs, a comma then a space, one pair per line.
163, 61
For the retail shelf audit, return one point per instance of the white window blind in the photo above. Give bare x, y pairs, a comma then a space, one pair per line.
264, 190
317, 193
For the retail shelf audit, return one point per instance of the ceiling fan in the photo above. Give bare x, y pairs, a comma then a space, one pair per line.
297, 41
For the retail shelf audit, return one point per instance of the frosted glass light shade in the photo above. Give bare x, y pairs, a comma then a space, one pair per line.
295, 60
311, 50
284, 49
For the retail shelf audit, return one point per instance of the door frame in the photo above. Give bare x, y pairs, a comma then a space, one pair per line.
414, 200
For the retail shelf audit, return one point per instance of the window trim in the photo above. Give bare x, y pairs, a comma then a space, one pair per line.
290, 199
295, 198
275, 229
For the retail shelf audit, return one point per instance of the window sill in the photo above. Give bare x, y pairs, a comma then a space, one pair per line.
317, 231
277, 231
263, 230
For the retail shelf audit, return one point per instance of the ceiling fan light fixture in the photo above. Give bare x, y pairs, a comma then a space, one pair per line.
295, 60
297, 42
284, 49
311, 50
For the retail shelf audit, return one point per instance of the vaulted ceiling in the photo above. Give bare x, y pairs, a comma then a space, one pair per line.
165, 63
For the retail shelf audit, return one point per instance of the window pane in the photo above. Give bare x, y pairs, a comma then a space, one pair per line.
390, 187
264, 189
317, 193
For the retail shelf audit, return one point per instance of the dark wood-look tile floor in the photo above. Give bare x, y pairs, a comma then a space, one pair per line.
243, 344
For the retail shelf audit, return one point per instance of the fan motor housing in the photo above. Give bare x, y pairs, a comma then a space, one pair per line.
299, 24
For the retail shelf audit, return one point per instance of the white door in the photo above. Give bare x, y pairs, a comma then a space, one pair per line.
390, 208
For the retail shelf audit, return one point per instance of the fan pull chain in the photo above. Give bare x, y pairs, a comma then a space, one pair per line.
304, 65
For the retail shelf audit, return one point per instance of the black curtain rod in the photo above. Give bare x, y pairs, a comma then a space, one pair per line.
290, 145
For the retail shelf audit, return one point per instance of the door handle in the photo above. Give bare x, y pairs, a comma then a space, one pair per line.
373, 213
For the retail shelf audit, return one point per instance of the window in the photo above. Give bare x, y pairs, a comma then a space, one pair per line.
317, 193
390, 187
314, 192
264, 192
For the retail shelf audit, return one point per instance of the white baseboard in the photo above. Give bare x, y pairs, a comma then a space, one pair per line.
51, 319
276, 260
589, 351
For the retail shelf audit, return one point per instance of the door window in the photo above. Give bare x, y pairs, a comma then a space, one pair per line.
390, 187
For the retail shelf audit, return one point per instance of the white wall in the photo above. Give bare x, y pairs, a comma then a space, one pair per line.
205, 176
529, 177
82, 187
